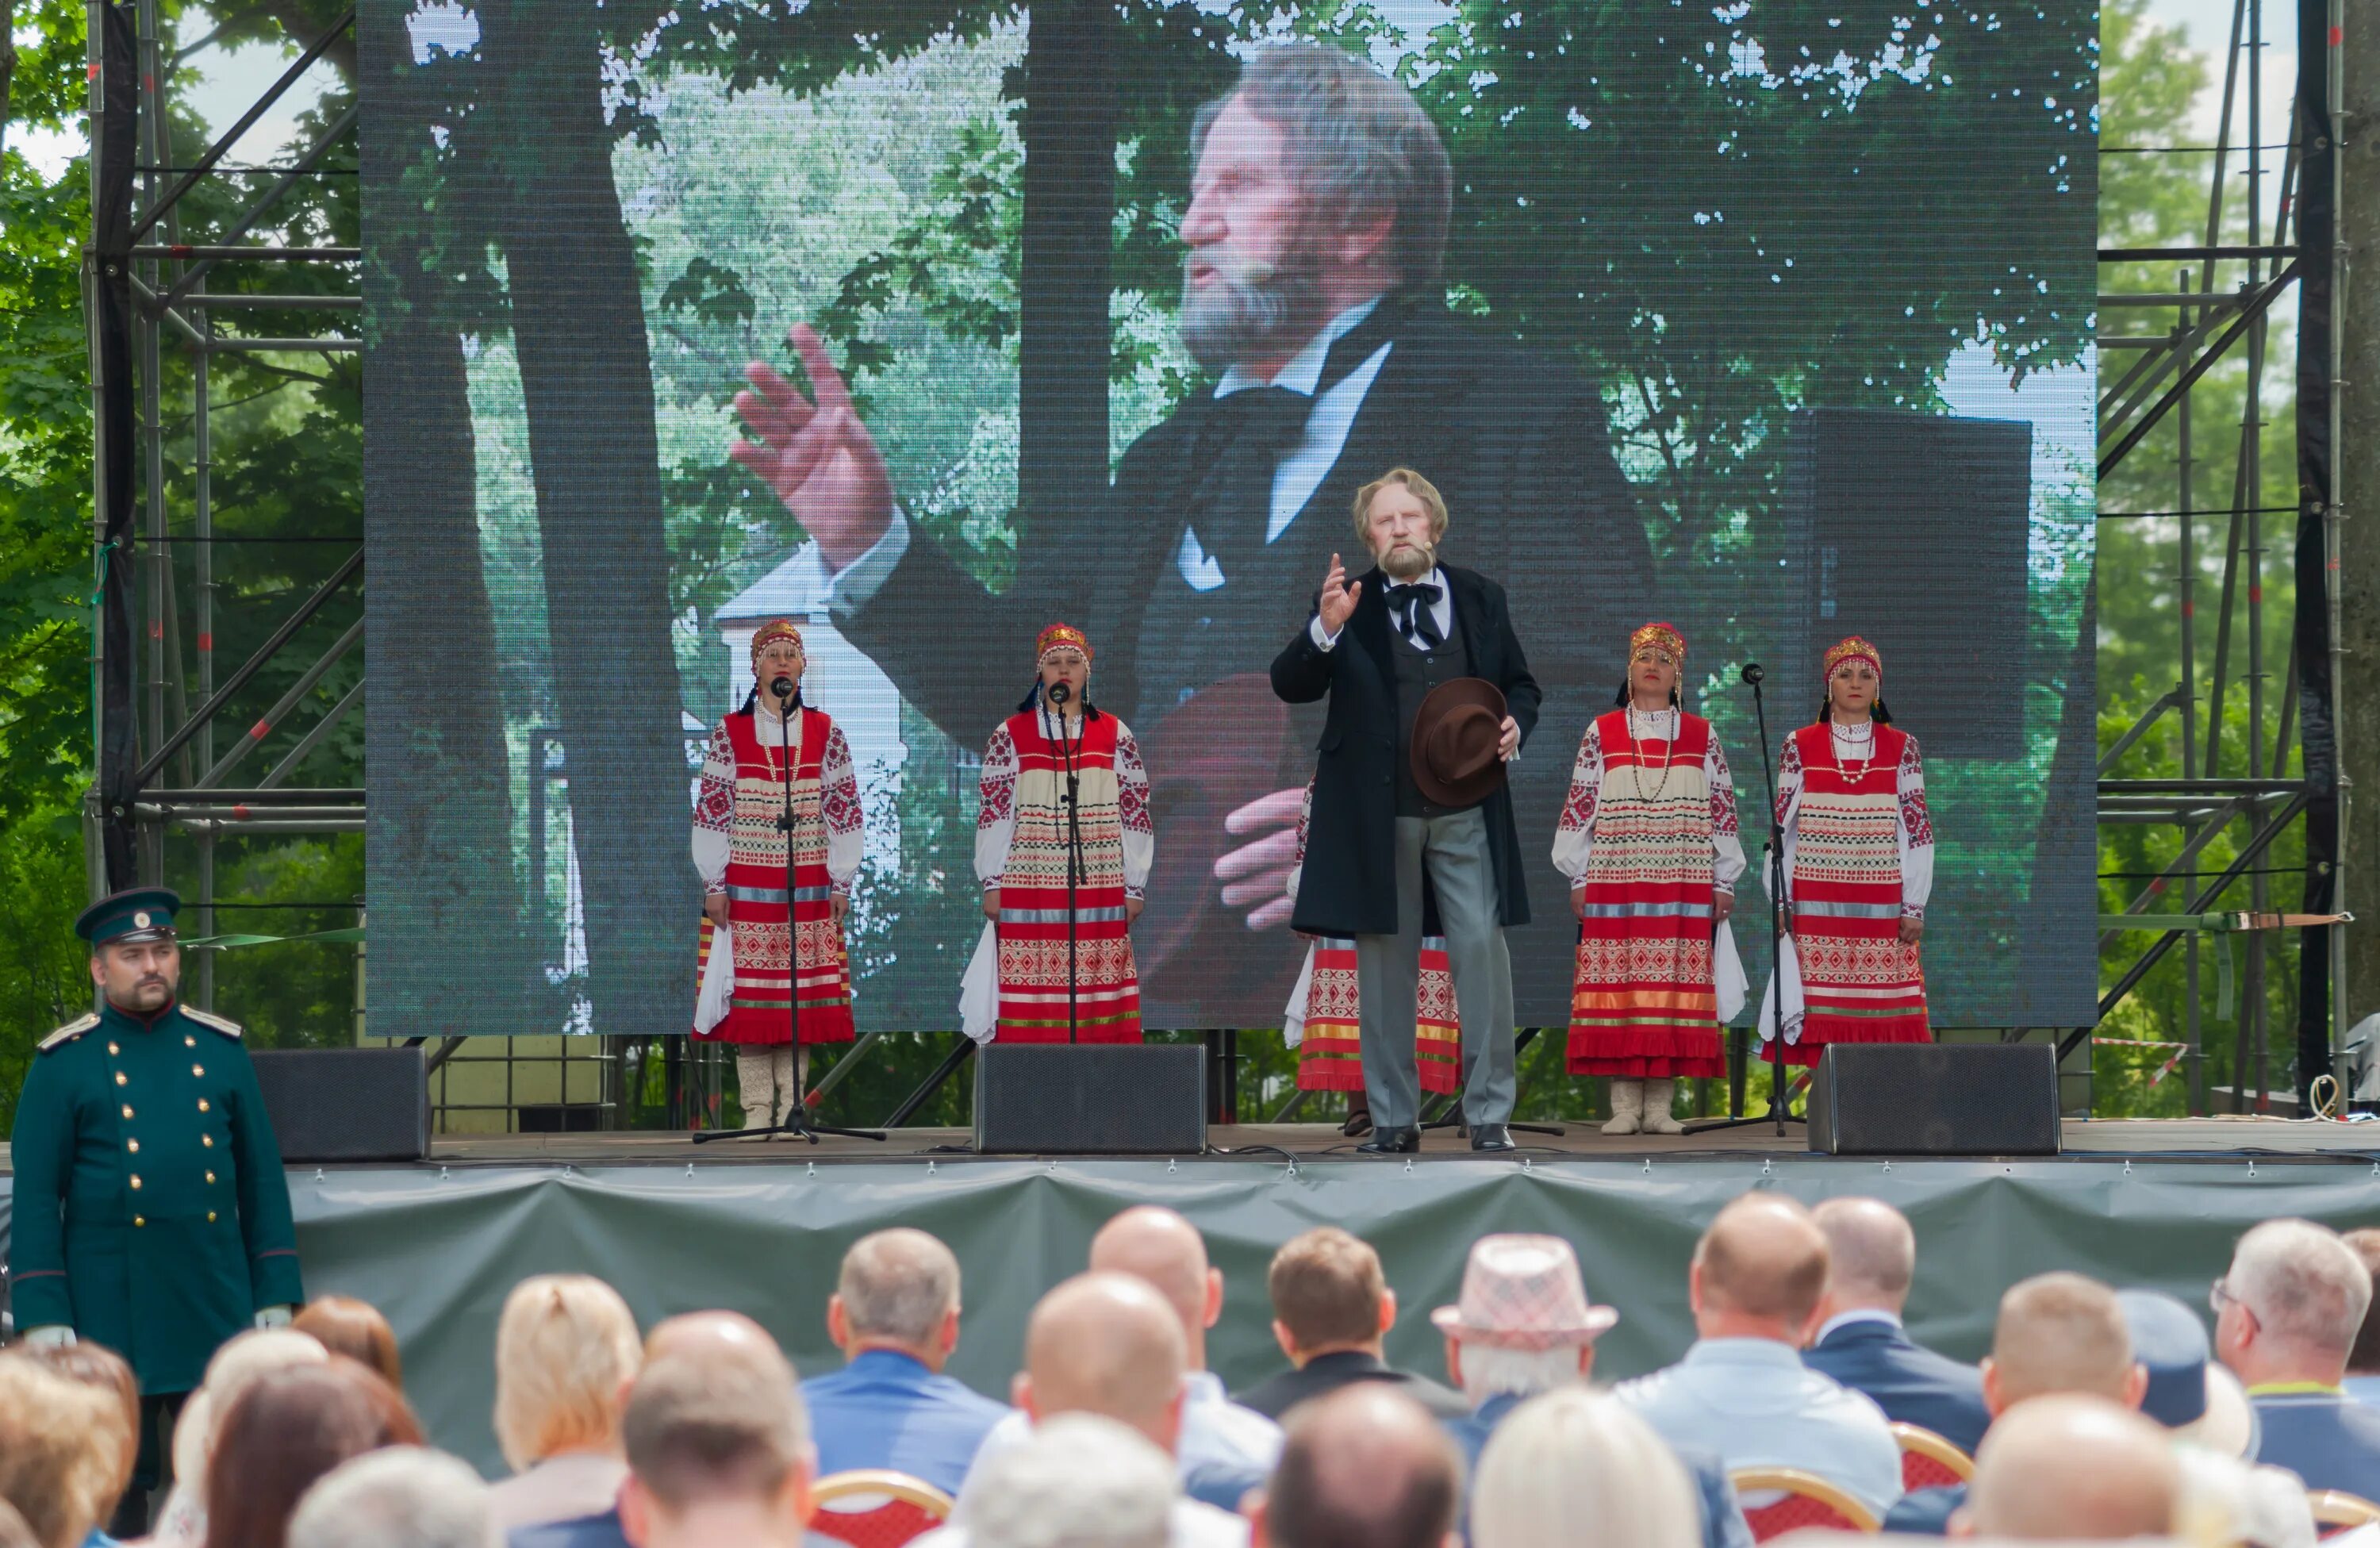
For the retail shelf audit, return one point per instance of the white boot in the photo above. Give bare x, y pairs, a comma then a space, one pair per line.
785, 1068
1655, 1108
754, 1087
1627, 1107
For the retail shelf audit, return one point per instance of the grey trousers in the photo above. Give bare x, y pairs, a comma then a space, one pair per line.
1453, 848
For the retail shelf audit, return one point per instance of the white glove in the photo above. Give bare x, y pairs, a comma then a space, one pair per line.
275, 1316
50, 1336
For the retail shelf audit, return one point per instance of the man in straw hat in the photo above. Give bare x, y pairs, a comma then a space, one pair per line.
1429, 697
1523, 1326
778, 835
1063, 847
151, 1213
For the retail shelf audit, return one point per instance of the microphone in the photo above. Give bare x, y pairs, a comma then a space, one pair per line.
1752, 673
1060, 693
781, 688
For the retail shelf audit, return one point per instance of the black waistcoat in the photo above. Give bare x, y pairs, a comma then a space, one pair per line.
1418, 671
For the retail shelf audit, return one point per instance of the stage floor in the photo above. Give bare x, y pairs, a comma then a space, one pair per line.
2112, 1139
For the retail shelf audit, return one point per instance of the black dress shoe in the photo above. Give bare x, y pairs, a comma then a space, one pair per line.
1490, 1137
1358, 1123
1391, 1141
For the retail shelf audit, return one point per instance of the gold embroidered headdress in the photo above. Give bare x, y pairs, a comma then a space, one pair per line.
1061, 637
1854, 649
770, 632
1663, 636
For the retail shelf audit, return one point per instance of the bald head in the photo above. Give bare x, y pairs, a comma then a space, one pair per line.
1106, 1344
1871, 1255
1155, 1245
2073, 1467
1363, 1466
698, 1335
1759, 1270
2060, 1332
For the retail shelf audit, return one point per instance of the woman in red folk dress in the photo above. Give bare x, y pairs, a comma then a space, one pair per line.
1648, 840
784, 980
1018, 985
1859, 864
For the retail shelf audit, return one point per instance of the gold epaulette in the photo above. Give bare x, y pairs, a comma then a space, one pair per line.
214, 1023
70, 1031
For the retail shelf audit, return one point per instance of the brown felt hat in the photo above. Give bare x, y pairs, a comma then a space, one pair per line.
1454, 737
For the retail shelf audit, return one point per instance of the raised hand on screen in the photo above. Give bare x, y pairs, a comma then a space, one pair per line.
1255, 875
816, 455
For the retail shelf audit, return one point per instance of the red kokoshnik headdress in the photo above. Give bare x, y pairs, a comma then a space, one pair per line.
1854, 649
770, 632
1662, 635
1061, 637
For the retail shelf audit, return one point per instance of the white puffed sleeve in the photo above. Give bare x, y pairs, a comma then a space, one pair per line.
1789, 809
714, 809
1132, 810
995, 822
1726, 843
1574, 832
1916, 834
846, 821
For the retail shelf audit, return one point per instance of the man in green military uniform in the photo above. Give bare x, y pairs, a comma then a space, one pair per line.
150, 1211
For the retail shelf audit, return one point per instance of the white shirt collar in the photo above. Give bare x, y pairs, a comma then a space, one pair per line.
1857, 1314
1303, 372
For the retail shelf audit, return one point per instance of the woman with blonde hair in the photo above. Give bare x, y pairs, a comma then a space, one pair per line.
567, 1349
238, 1365
1575, 1464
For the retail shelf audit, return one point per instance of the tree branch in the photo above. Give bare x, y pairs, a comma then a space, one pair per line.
7, 61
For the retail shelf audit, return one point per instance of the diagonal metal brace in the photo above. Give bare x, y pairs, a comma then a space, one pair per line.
272, 196
2256, 308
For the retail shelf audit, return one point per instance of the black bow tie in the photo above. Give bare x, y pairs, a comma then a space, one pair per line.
1417, 607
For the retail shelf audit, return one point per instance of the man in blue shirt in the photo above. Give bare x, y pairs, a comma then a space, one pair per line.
894, 1315
2363, 1361
1871, 1259
2286, 1314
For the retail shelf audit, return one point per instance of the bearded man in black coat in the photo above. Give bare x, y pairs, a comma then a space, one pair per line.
1312, 287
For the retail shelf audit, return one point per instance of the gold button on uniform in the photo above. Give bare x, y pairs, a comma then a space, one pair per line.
203, 1104
197, 1070
119, 1077
138, 1221
187, 1042
208, 1140
132, 1145
211, 1176
210, 1217
113, 1049
128, 1112
136, 1179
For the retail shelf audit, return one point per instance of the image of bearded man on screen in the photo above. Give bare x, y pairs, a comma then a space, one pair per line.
1313, 290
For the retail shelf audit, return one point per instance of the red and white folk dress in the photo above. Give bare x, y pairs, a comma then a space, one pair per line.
787, 954
1859, 858
1650, 828
1324, 1018
1017, 985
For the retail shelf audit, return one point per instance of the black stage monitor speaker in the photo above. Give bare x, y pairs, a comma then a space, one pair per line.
1935, 1099
1090, 1099
346, 1103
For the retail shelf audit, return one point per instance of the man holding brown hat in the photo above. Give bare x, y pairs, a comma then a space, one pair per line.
1429, 697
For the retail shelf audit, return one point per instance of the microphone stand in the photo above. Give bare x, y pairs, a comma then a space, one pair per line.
797, 1119
1776, 863
1068, 754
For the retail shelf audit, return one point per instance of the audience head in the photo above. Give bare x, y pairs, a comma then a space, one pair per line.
1573, 1456
1328, 1295
1758, 1272
1155, 1243
1363, 1466
61, 1450
1523, 1323
1871, 1256
244, 1359
348, 1327
1106, 1344
1077, 1481
566, 1352
2185, 1391
2072, 1467
101, 1369
14, 1530
287, 1429
397, 1497
718, 1441
2364, 1359
2060, 1332
730, 1334
2292, 1305
899, 1290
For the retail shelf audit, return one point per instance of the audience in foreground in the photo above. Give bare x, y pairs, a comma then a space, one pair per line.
1074, 1481
2075, 1468
1870, 1263
2362, 1382
1523, 1326
15, 1531
718, 1452
2204, 1413
287, 1429
1754, 1288
1365, 1467
1575, 1456
2288, 1311
1332, 1312
354, 1328
104, 1371
894, 1315
243, 1359
396, 1497
62, 1445
566, 1352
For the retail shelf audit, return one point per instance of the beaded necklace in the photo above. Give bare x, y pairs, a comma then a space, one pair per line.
1852, 772
1637, 769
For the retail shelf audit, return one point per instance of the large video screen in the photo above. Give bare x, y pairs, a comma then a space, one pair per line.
1768, 319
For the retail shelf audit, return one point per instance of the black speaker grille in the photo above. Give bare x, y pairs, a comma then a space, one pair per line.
346, 1103
1116, 1098
1939, 1099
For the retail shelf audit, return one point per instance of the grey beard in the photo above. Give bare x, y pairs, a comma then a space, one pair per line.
1235, 319
1419, 566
